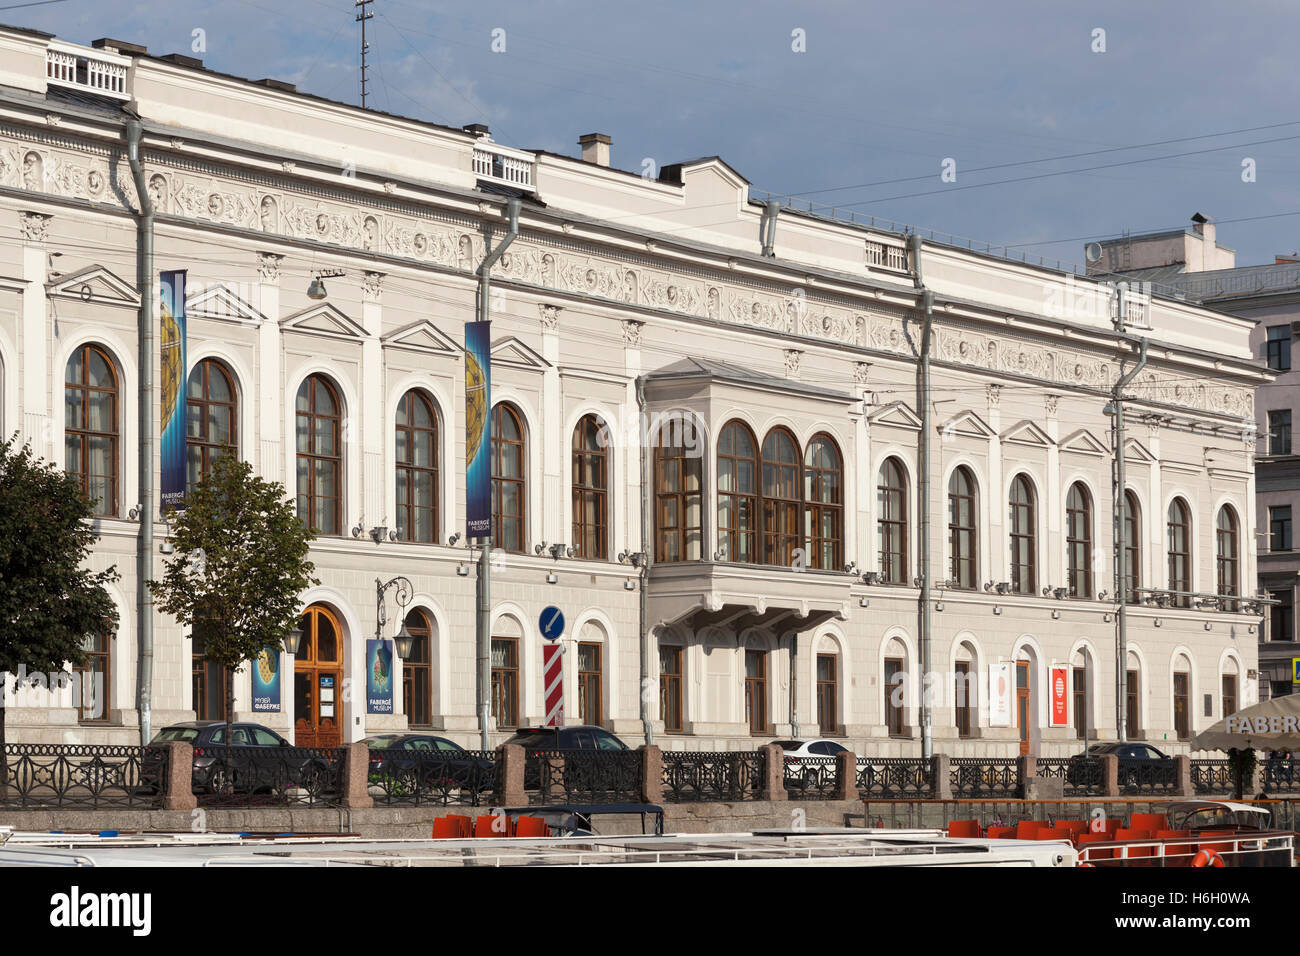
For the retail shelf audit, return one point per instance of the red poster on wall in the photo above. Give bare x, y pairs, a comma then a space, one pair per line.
1060, 689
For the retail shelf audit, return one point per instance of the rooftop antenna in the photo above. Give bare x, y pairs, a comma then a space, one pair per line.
364, 13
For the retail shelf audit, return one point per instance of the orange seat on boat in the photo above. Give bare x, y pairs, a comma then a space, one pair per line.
1001, 833
1148, 821
1136, 836
1026, 829
963, 828
452, 827
1105, 853
1076, 828
531, 827
487, 826
1057, 832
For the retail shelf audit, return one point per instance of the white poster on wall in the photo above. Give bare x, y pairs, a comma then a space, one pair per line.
999, 696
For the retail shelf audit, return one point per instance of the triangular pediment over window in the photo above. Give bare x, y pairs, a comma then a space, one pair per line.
1027, 433
1085, 443
219, 302
896, 415
422, 336
324, 319
965, 425
95, 284
1134, 450
514, 353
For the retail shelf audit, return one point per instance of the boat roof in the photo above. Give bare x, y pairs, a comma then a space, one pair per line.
1190, 805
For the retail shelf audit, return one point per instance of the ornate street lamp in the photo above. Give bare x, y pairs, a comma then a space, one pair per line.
293, 641
404, 639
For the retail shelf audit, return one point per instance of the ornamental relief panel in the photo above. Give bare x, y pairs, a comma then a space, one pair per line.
37, 167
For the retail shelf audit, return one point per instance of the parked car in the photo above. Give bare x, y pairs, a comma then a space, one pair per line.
255, 760
438, 762
803, 773
1133, 757
536, 740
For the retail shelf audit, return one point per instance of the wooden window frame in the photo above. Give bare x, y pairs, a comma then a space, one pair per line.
1078, 540
1022, 527
506, 678
311, 513
103, 653
756, 716
518, 543
891, 521
590, 539
1179, 561
419, 712
207, 448
1132, 532
782, 513
1227, 555
81, 432
828, 696
962, 694
1183, 719
406, 504
736, 541
895, 714
824, 504
963, 539
671, 705
586, 678
678, 503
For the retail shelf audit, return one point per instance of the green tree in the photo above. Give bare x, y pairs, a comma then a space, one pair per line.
239, 567
50, 602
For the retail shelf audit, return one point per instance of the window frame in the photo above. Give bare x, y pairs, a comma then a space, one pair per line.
756, 716
591, 685
1132, 536
781, 524
505, 686
83, 435
963, 555
312, 456
208, 449
828, 695
1179, 561
1277, 348
406, 506
683, 501
1078, 511
98, 648
825, 551
584, 488
735, 541
1279, 431
1281, 529
671, 705
519, 543
891, 521
417, 707
1022, 532
1227, 555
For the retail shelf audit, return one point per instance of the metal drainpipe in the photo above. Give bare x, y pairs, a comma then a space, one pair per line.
1121, 613
144, 549
483, 615
646, 723
923, 498
767, 228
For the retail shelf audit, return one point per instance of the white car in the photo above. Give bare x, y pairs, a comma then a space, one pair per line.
810, 764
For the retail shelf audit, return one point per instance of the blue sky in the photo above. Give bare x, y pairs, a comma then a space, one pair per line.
882, 94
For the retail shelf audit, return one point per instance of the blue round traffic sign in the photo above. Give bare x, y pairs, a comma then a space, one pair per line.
551, 623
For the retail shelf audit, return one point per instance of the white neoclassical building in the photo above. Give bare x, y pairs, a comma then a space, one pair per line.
674, 372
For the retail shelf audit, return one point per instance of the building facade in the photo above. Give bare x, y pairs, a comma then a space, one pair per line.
750, 422
1191, 264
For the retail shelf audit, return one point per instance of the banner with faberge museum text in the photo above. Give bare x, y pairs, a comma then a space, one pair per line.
478, 429
175, 371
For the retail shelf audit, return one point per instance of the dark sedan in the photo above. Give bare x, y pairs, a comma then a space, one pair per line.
257, 760
406, 761
1137, 762
536, 740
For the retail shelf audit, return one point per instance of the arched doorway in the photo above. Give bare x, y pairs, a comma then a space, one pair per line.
318, 681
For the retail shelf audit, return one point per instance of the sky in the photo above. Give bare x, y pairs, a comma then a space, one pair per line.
860, 105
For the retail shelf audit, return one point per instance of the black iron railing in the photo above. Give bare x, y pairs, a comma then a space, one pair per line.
83, 776
1148, 776
268, 776
691, 776
1080, 776
983, 777
583, 776
811, 778
1212, 776
895, 778
1281, 774
422, 777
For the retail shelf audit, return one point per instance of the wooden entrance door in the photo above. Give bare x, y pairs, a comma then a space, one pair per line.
318, 681
1022, 704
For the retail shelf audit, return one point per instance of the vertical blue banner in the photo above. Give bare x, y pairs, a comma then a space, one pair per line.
379, 677
266, 681
175, 375
478, 429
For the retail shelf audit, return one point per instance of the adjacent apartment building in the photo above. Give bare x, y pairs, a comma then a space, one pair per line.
1189, 263
706, 428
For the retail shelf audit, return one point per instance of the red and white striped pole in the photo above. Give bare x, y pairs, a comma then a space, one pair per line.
553, 683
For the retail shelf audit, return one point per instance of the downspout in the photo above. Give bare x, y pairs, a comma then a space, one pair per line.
647, 724
483, 615
144, 549
1121, 614
923, 498
767, 228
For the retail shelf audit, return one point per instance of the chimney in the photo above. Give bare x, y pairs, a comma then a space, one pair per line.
595, 148
478, 129
1202, 226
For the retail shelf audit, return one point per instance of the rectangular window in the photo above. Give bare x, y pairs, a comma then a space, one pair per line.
589, 680
1182, 725
1279, 528
1229, 694
1281, 616
964, 697
670, 688
756, 691
1279, 431
208, 683
1131, 705
505, 681
1278, 348
894, 701
827, 694
93, 680
1081, 702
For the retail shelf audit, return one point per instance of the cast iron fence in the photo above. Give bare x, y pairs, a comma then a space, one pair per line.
1212, 776
895, 778
1281, 774
691, 776
84, 776
583, 776
811, 778
1148, 776
982, 777
268, 776
1080, 776
465, 778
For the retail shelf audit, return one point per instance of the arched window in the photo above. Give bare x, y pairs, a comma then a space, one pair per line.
738, 494
1022, 518
94, 679
756, 687
1225, 548
417, 468
678, 486
320, 455
1132, 547
211, 407
417, 672
782, 502
1179, 528
591, 488
509, 486
824, 497
891, 521
90, 411
1078, 540
963, 566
